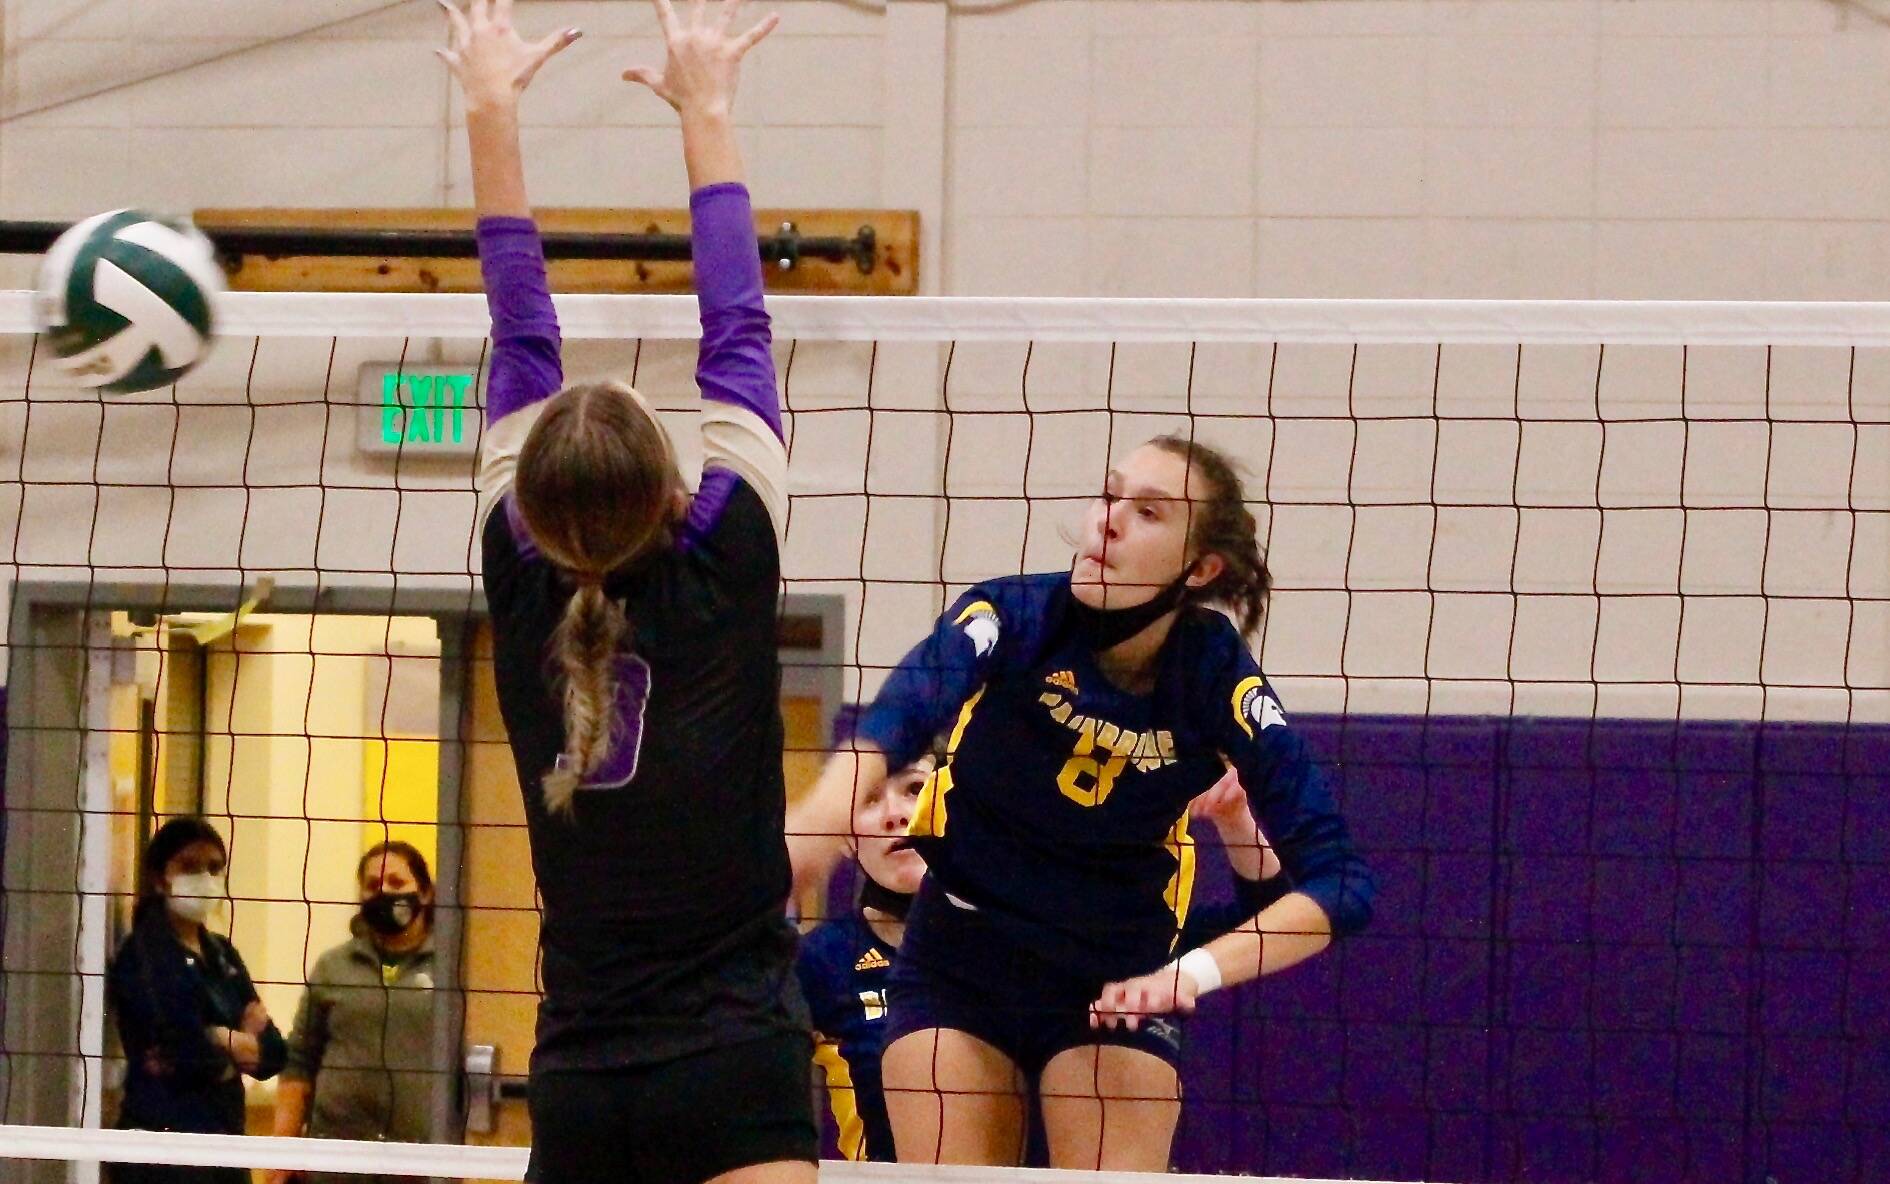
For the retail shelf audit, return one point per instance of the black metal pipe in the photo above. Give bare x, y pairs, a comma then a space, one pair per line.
783, 249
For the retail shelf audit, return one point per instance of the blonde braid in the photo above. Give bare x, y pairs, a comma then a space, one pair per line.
585, 646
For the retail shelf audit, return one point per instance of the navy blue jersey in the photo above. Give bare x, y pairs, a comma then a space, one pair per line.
843, 967
1061, 807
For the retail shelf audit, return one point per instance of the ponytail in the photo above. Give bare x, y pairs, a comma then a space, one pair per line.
597, 487
584, 647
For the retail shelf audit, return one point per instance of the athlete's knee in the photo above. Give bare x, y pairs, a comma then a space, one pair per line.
1111, 1072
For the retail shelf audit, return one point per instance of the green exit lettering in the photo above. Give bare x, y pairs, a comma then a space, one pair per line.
423, 408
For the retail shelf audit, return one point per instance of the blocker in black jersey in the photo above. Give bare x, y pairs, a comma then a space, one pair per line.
667, 958
665, 890
664, 931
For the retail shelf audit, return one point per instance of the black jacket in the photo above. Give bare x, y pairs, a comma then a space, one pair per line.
164, 997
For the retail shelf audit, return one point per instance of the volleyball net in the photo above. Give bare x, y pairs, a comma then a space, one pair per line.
1584, 605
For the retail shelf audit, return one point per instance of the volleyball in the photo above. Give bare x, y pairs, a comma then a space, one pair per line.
126, 299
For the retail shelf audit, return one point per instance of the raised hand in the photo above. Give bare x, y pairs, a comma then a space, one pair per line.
704, 56
488, 58
1224, 804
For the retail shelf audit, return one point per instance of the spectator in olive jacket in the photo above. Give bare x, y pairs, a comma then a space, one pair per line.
361, 1053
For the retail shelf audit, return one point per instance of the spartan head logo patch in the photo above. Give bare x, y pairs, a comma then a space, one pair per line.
1255, 708
980, 623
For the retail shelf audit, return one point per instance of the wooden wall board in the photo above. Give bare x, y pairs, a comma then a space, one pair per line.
895, 275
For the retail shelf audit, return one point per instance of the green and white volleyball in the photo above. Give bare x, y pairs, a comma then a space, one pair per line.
125, 300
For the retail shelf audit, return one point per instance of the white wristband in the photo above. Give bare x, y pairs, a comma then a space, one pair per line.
1200, 966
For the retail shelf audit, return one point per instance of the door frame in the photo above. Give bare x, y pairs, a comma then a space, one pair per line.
43, 995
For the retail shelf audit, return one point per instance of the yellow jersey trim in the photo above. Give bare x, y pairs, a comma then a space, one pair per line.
1244, 691
1179, 894
977, 608
841, 1099
928, 815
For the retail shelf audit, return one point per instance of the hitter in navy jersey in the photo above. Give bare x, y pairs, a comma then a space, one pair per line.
1085, 710
846, 962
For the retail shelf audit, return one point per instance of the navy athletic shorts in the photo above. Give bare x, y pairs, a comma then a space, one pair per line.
957, 969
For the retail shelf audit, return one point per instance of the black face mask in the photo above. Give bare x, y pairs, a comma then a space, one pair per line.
1102, 628
389, 913
875, 895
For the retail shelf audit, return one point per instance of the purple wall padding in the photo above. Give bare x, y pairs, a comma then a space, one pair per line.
1615, 950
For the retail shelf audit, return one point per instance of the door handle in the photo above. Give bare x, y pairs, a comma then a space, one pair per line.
482, 1088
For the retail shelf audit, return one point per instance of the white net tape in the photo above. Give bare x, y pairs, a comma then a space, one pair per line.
485, 1163
946, 319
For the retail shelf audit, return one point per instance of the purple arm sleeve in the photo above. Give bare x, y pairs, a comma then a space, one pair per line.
735, 364
718, 485
525, 342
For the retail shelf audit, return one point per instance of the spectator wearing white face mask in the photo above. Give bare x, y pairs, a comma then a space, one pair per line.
188, 1014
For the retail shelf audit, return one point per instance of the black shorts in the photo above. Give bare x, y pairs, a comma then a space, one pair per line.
680, 1122
956, 969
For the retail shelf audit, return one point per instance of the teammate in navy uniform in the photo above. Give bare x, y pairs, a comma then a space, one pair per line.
846, 962
634, 649
1086, 709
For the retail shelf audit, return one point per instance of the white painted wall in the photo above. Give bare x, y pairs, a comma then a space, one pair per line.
1530, 148
1672, 148
1524, 148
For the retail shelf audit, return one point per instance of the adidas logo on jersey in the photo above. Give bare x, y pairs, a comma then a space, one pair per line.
1063, 678
872, 959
